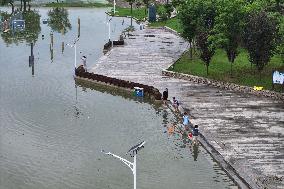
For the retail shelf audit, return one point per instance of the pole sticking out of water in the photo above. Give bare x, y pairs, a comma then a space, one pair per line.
51, 39
114, 7
62, 47
79, 27
31, 59
32, 49
51, 52
33, 69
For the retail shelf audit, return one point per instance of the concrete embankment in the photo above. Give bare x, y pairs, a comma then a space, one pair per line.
245, 131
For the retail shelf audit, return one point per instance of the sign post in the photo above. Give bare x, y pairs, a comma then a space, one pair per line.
278, 78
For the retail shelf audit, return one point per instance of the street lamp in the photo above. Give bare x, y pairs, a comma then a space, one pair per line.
108, 23
114, 7
75, 48
133, 152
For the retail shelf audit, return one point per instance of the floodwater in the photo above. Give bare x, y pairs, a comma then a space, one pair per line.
52, 130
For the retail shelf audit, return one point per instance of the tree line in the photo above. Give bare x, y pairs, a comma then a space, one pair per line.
256, 25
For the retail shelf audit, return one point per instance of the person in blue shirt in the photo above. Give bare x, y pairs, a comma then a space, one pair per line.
185, 121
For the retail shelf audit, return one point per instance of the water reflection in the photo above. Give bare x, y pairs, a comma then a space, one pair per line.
182, 140
18, 32
31, 60
58, 20
113, 91
195, 151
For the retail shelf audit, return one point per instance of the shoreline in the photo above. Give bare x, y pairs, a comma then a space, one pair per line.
163, 55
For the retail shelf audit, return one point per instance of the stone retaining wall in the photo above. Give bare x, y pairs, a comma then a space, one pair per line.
224, 85
151, 91
171, 30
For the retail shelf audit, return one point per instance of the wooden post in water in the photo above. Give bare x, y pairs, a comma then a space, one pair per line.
33, 69
51, 39
31, 57
79, 27
62, 47
51, 52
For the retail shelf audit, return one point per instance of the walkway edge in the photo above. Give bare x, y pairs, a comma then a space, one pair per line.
207, 143
225, 85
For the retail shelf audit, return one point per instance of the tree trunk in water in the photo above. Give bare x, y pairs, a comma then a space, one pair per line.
131, 13
13, 8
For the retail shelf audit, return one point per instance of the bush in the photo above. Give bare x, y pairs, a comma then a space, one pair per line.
162, 12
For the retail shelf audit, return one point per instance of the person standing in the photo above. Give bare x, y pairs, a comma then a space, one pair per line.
185, 121
175, 104
195, 133
165, 95
84, 59
5, 25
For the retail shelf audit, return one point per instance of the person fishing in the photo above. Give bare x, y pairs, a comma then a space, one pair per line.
195, 133
175, 104
165, 95
185, 121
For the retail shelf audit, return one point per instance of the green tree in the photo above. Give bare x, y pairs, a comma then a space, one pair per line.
228, 27
259, 38
169, 9
177, 4
162, 12
196, 15
280, 38
206, 50
58, 20
146, 4
188, 16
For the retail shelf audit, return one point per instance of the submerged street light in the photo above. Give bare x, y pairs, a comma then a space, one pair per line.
75, 51
133, 152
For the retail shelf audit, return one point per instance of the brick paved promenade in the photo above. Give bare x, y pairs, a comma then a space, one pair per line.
248, 131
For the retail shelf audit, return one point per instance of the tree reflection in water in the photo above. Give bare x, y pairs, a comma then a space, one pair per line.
58, 20
29, 34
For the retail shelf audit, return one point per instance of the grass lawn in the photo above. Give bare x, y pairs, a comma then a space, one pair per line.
220, 67
171, 23
138, 13
77, 4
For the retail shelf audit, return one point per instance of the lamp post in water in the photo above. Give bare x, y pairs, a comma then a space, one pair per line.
133, 152
108, 23
75, 51
114, 7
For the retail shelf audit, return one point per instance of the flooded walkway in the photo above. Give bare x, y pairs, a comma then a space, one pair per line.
248, 131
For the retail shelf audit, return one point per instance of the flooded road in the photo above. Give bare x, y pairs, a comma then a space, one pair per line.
52, 131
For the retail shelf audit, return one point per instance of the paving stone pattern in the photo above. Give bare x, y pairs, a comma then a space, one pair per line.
248, 131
